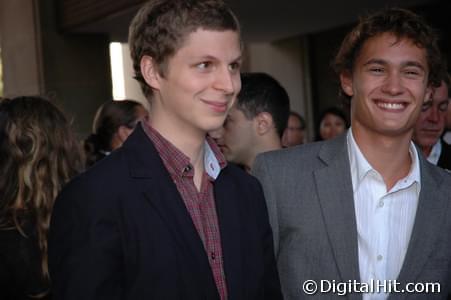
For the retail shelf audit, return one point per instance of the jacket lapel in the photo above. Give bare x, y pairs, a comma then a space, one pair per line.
334, 188
230, 228
429, 216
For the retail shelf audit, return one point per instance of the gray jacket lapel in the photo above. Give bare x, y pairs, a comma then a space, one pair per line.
334, 187
429, 217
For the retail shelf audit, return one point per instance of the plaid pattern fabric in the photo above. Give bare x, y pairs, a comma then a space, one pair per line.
200, 204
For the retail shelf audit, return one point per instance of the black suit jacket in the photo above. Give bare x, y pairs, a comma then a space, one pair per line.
121, 231
444, 160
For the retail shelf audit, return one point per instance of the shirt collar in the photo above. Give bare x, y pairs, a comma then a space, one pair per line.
360, 167
177, 163
436, 150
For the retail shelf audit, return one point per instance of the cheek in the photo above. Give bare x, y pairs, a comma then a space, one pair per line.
237, 83
368, 87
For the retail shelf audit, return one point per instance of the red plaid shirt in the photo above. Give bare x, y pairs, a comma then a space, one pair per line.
200, 204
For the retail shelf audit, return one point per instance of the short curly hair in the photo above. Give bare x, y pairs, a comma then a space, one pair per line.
159, 28
402, 24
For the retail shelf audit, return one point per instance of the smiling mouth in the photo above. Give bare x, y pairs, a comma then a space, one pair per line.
391, 106
216, 106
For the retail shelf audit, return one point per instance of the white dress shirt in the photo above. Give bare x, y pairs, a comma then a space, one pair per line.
384, 218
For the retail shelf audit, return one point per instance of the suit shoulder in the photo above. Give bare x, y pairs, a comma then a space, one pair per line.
306, 155
106, 178
446, 175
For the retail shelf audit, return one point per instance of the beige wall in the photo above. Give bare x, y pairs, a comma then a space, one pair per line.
21, 48
132, 88
72, 70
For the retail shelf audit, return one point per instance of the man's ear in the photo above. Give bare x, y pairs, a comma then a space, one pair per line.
149, 71
264, 123
346, 83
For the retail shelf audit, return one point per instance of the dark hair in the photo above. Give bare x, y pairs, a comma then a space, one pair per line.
160, 27
39, 153
262, 93
330, 111
300, 118
402, 24
109, 117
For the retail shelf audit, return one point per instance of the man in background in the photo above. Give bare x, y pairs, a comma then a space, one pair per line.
294, 134
431, 125
257, 121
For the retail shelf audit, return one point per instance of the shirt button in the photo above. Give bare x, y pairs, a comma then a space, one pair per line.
381, 203
379, 257
213, 255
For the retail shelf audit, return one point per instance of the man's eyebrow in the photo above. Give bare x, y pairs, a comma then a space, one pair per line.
376, 61
212, 57
413, 64
238, 58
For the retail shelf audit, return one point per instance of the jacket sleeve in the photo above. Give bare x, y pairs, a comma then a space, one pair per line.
85, 257
261, 171
272, 288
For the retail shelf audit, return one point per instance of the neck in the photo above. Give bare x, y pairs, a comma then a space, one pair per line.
388, 155
188, 140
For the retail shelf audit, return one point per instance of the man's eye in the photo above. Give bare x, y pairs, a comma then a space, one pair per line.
412, 72
376, 70
234, 66
443, 106
204, 65
426, 105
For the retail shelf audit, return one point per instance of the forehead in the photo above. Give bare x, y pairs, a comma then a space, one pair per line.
440, 94
387, 48
217, 44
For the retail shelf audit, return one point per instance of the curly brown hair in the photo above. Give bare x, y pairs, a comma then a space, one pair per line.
402, 24
38, 155
159, 28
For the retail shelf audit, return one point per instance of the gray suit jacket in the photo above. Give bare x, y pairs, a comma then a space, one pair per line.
309, 194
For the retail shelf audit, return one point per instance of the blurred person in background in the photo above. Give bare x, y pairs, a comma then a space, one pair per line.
256, 122
113, 123
332, 123
38, 155
431, 125
294, 134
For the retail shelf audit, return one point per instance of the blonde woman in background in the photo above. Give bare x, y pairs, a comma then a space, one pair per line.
38, 155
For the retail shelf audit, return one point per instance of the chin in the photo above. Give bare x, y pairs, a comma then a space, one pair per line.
213, 124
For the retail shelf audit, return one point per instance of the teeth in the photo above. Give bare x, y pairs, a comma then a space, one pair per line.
391, 105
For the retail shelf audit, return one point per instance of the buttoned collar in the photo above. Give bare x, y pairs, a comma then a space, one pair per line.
360, 167
178, 164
